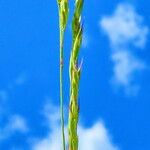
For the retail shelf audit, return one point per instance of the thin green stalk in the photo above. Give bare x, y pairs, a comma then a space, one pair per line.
63, 16
74, 73
61, 88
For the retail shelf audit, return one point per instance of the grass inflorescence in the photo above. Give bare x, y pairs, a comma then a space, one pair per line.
74, 73
74, 69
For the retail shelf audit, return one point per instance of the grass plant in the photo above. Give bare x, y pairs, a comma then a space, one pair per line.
63, 17
74, 70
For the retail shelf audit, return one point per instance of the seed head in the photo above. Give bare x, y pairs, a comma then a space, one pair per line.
63, 13
75, 70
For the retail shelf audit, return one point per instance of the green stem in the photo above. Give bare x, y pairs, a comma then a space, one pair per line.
61, 87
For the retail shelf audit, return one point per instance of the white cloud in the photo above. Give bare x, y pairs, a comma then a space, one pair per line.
125, 26
15, 124
125, 29
5, 93
11, 124
125, 67
18, 81
93, 138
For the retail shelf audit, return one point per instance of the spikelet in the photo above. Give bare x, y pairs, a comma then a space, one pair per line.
74, 73
63, 13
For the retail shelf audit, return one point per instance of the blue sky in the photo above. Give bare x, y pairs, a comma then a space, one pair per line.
114, 91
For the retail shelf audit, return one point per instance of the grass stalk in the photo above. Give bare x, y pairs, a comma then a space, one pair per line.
63, 17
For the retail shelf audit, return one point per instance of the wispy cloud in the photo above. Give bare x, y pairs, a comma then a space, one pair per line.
8, 89
18, 81
125, 29
125, 67
93, 138
21, 79
85, 40
15, 124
